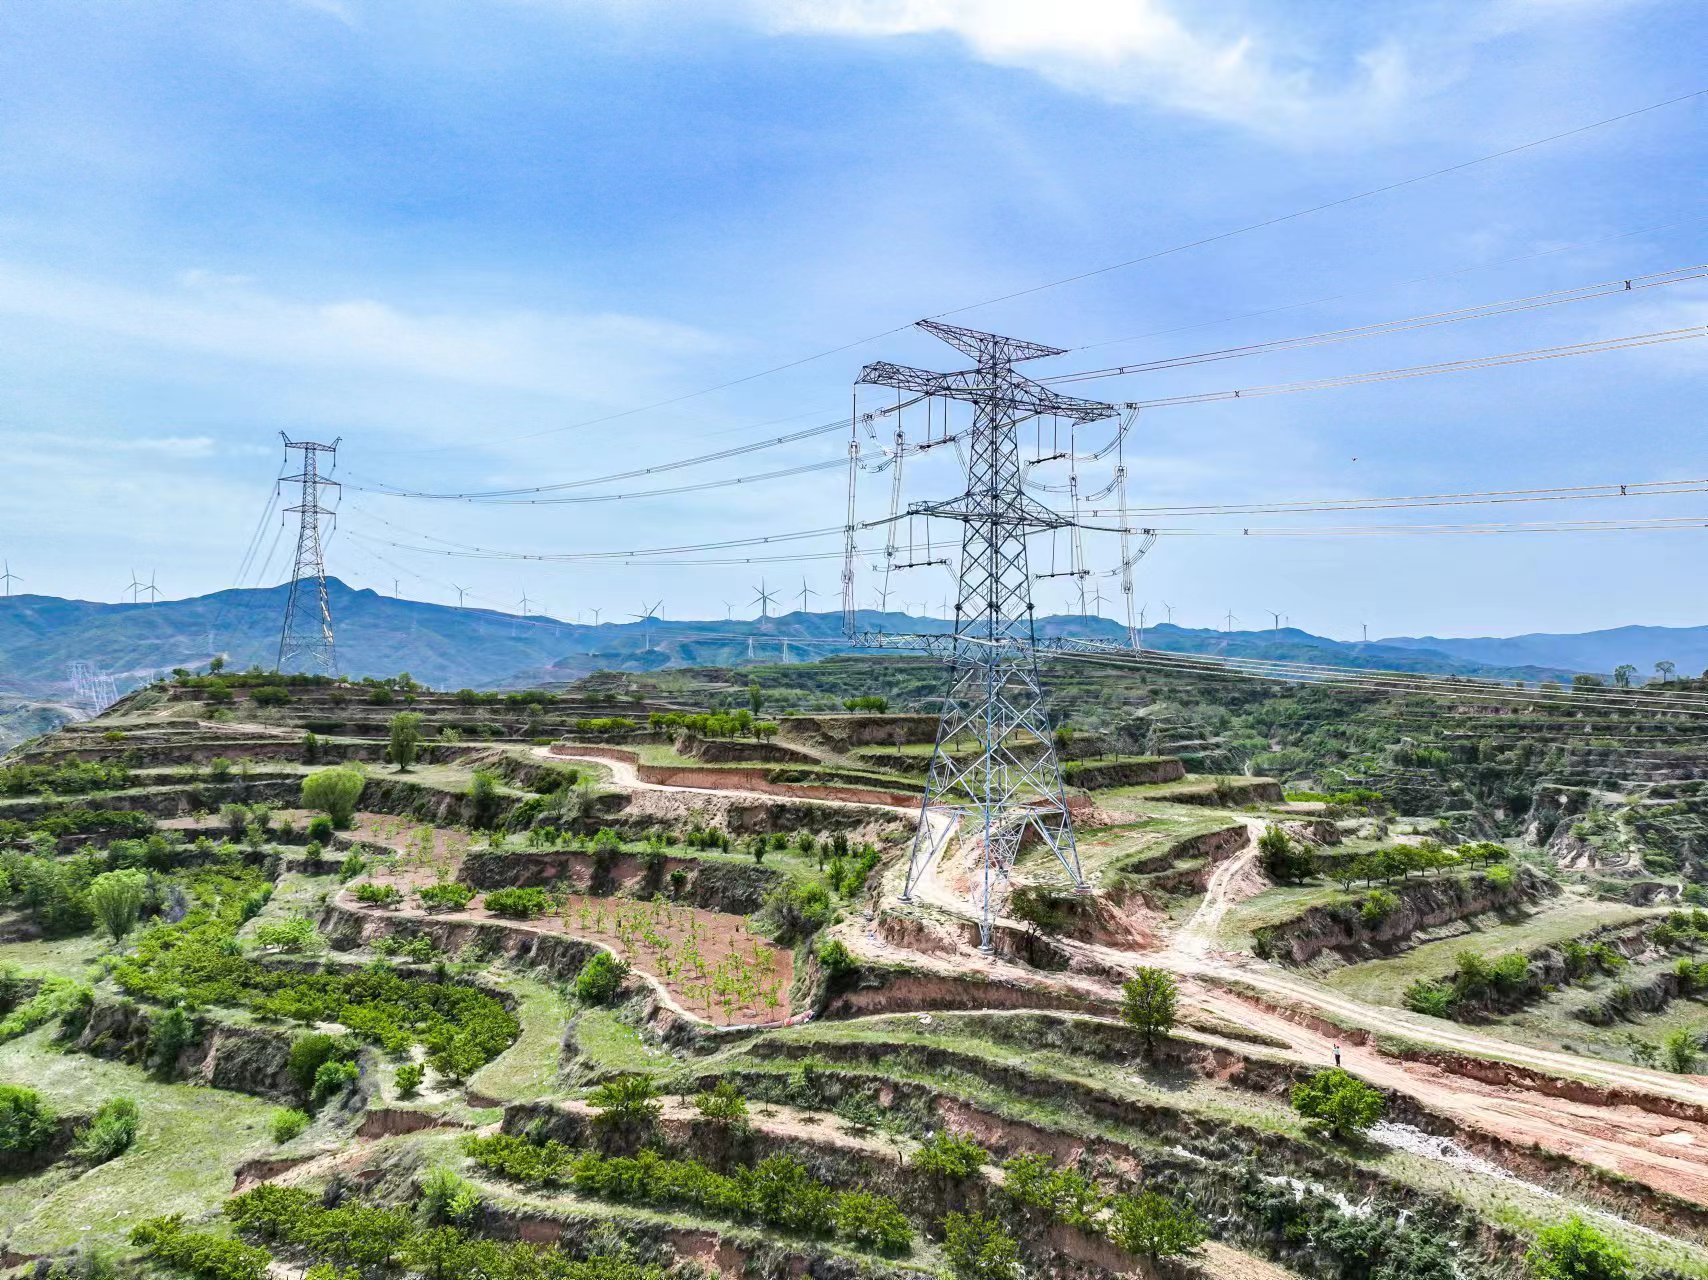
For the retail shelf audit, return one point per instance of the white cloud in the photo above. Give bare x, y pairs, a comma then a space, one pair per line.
584, 356
1128, 51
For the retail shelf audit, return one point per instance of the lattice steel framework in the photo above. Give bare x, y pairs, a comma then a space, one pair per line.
1009, 782
306, 640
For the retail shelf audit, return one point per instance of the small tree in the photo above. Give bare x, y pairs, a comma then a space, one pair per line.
723, 1105
26, 1122
1679, 1051
755, 696
335, 793
1622, 675
1283, 861
116, 897
626, 1104
1339, 1102
979, 1249
1153, 1226
1575, 1250
483, 798
1664, 670
1148, 1002
405, 739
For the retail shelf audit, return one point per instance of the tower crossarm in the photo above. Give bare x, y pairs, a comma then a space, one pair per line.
1022, 397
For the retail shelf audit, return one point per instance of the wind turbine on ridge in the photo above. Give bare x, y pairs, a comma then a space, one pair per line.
645, 617
8, 577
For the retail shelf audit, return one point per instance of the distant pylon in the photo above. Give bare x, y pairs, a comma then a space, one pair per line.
305, 640
91, 688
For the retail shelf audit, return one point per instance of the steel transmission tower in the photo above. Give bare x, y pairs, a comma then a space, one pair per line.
305, 641
1009, 783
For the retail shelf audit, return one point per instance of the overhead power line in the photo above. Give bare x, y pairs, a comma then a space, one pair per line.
1553, 298
1483, 497
1422, 370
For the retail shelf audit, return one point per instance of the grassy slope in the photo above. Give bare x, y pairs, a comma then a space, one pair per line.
190, 1139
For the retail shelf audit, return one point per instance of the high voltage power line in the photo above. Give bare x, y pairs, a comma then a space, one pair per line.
1553, 298
1152, 256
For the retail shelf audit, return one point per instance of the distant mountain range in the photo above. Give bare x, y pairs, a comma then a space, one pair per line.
1598, 651
447, 647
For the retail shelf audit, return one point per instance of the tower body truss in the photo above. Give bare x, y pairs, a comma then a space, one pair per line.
305, 639
993, 769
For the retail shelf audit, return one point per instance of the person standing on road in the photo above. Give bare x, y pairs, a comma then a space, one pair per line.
1337, 1055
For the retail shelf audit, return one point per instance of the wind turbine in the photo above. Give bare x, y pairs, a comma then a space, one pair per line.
645, 617
461, 592
8, 577
805, 592
945, 607
1275, 614
729, 611
1231, 620
151, 589
135, 587
1170, 608
525, 602
595, 613
765, 599
1097, 599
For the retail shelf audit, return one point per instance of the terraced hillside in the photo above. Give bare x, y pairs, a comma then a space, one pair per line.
615, 980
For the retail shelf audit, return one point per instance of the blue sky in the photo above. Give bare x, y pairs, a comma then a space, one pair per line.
452, 232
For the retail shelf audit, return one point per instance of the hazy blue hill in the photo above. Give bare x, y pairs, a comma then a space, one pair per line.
449, 648
1599, 651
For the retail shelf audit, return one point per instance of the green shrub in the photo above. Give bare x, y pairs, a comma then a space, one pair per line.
1338, 1101
293, 934
109, 1132
1065, 1195
1574, 1250
287, 1122
270, 695
26, 1122
1680, 1050
335, 792
1153, 1226
331, 1079
116, 898
447, 895
778, 1192
483, 798
409, 1078
835, 958
352, 866
200, 1253
518, 904
977, 1248
320, 828
376, 894
796, 909
1500, 877
1377, 906
949, 1155
447, 1197
1430, 997
599, 978
308, 1053
723, 1104
626, 1103
170, 1032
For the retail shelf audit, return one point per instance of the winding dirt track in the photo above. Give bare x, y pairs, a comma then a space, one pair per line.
1661, 1152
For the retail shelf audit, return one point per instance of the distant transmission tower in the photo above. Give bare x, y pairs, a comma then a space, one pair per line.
91, 688
305, 641
1010, 783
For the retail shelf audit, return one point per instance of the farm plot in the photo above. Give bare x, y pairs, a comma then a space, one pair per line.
711, 963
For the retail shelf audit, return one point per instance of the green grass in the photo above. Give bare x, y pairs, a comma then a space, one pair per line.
189, 1140
1384, 981
529, 1067
55, 957
1274, 905
604, 1043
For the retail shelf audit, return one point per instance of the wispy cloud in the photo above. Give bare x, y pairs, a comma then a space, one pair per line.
584, 356
1131, 51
